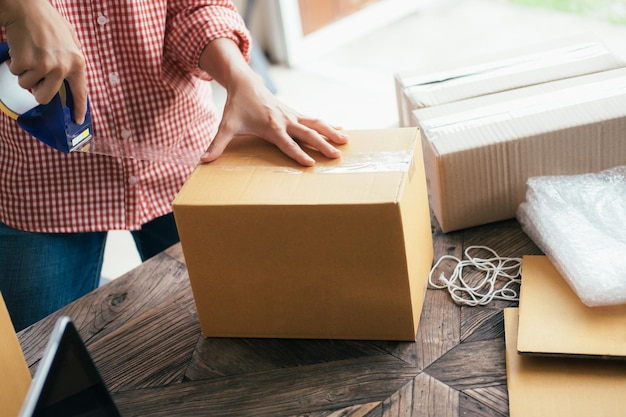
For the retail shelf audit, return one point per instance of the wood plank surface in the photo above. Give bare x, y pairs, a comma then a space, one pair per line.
112, 306
439, 329
495, 397
152, 350
279, 392
142, 330
215, 357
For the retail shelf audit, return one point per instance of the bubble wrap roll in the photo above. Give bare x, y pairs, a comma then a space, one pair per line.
579, 222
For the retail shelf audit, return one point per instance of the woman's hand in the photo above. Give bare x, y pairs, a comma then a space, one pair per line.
251, 109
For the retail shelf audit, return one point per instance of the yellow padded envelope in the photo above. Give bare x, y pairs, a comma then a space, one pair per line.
553, 320
541, 386
15, 377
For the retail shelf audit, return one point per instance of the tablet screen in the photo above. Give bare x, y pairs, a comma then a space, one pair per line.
67, 382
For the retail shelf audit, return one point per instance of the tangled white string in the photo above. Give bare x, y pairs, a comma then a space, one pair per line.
478, 281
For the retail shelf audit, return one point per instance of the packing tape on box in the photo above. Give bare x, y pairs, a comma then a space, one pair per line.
396, 161
522, 107
370, 162
391, 161
506, 67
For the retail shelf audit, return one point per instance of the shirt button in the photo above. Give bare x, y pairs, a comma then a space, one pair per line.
102, 20
126, 134
132, 180
114, 78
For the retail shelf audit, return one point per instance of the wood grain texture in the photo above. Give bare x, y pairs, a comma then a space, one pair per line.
358, 410
107, 308
275, 393
214, 357
468, 406
439, 329
151, 350
481, 324
495, 397
426, 396
142, 330
471, 365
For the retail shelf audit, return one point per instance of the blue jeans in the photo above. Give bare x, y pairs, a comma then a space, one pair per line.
42, 272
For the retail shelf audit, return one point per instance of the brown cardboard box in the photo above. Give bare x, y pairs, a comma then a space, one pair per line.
15, 377
561, 387
480, 152
341, 250
454, 80
553, 320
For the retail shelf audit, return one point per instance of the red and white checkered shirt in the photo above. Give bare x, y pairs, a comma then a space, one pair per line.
146, 92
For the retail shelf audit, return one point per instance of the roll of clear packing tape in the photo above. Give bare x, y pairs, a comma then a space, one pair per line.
14, 100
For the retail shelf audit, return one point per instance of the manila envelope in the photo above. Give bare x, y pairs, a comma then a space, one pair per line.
554, 386
553, 320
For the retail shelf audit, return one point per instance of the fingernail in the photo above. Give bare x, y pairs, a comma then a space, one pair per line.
336, 151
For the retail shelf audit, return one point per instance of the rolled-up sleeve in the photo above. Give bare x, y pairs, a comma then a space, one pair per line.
192, 24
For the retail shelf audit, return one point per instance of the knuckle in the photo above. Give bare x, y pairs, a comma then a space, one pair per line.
310, 121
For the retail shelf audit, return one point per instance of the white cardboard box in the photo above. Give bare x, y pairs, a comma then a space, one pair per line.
517, 68
480, 152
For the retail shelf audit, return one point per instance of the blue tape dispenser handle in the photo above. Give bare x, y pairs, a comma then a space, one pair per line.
4, 51
52, 123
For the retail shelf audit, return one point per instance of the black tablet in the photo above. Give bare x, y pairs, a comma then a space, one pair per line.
67, 382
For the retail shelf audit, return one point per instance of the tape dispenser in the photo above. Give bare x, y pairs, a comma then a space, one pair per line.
51, 123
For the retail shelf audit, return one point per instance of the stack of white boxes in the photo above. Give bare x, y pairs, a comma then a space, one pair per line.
490, 125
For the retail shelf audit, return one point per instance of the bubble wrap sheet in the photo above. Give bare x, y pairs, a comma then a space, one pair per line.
579, 222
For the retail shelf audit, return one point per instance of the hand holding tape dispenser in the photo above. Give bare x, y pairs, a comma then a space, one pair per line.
51, 123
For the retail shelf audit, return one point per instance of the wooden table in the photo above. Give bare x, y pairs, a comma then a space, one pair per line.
143, 333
